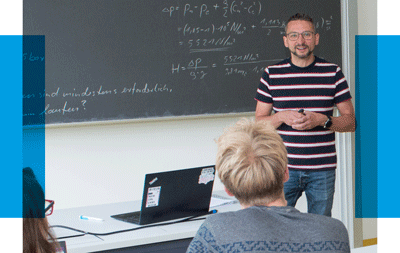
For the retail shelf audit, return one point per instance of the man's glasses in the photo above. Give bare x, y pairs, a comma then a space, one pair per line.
48, 207
295, 35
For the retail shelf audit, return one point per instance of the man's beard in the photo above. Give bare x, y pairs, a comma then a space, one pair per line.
302, 56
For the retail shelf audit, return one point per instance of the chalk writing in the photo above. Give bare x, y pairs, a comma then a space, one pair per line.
101, 91
258, 69
243, 71
65, 109
230, 71
247, 59
230, 27
158, 58
195, 65
32, 57
157, 88
86, 93
27, 96
224, 9
240, 58
224, 41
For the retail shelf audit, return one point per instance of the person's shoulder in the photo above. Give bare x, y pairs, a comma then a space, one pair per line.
329, 223
324, 63
221, 219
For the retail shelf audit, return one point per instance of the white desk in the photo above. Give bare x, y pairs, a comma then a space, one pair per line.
138, 238
134, 241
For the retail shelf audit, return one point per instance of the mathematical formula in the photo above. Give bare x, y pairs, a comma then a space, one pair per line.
198, 69
154, 50
225, 9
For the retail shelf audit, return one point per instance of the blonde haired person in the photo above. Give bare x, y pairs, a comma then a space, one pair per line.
37, 236
252, 164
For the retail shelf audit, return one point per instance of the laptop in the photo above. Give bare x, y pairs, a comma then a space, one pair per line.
173, 195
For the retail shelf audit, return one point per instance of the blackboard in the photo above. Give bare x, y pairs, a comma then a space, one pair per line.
132, 59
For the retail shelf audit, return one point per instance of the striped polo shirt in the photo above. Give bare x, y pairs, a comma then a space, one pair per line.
317, 87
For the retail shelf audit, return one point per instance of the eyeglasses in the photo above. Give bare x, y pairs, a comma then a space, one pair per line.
48, 207
295, 35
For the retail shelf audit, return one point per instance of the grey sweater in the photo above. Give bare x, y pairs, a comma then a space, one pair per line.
270, 229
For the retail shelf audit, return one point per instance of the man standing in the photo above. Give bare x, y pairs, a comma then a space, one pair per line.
252, 164
302, 91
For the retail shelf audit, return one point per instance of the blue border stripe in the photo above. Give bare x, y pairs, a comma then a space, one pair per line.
33, 105
366, 182
388, 127
11, 126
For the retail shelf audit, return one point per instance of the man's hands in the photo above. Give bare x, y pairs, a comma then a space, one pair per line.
307, 120
298, 120
346, 122
291, 118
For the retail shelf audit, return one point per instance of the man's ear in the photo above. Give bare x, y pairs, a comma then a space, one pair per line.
286, 176
316, 39
285, 41
228, 192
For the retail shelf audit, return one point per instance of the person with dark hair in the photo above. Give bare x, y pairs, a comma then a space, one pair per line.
252, 164
37, 236
298, 96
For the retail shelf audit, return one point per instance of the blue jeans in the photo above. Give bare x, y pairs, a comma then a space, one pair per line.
319, 187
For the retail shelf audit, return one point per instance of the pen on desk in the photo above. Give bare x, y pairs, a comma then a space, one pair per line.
82, 217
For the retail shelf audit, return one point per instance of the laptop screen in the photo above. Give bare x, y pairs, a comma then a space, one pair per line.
172, 195
177, 194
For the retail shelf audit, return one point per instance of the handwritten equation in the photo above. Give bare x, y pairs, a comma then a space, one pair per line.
198, 69
225, 9
216, 36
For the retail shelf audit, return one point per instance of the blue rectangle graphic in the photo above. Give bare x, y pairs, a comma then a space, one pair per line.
388, 122
23, 79
377, 91
11, 126
366, 182
34, 134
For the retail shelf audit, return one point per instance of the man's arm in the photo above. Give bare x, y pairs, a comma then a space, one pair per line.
264, 110
346, 122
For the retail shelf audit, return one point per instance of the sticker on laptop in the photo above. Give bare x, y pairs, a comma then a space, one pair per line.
207, 175
153, 181
153, 196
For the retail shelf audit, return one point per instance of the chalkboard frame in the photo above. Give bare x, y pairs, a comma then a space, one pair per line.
184, 116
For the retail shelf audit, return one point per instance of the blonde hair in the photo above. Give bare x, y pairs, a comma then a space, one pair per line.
251, 162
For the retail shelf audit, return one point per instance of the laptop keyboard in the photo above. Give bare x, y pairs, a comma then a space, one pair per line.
133, 217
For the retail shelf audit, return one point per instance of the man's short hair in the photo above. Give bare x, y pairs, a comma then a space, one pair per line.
299, 16
252, 161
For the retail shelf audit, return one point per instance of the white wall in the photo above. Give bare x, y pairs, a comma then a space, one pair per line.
106, 163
